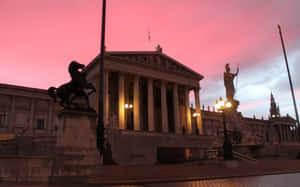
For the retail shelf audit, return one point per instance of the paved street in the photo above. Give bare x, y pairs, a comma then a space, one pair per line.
190, 174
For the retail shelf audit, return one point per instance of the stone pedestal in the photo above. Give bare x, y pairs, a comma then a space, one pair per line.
76, 147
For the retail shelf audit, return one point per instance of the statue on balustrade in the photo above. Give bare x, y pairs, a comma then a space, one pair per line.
74, 94
229, 85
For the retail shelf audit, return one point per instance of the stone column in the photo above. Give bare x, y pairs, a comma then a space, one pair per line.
150, 105
188, 111
121, 101
50, 116
31, 124
96, 100
176, 109
106, 98
199, 118
284, 133
289, 133
12, 113
164, 107
93, 96
136, 104
280, 133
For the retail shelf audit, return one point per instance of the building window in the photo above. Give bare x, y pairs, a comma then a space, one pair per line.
3, 120
40, 124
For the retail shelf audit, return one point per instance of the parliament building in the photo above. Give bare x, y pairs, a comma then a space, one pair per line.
147, 115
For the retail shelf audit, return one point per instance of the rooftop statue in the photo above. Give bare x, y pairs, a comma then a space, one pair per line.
228, 82
72, 92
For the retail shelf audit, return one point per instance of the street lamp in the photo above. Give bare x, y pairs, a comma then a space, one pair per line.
129, 112
223, 106
196, 115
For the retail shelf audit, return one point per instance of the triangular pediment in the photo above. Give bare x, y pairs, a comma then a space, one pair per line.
156, 60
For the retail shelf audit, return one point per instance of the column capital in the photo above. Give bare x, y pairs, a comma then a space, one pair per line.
150, 79
197, 88
163, 82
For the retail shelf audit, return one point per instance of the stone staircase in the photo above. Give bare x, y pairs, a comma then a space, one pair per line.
186, 172
243, 157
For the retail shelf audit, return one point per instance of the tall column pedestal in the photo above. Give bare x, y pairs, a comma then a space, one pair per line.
76, 147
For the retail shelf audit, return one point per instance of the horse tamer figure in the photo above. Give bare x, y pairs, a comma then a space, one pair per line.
75, 89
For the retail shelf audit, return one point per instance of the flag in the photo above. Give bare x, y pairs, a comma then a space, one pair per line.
149, 37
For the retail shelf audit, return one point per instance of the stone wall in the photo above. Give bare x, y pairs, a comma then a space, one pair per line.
138, 147
253, 131
279, 151
28, 145
25, 168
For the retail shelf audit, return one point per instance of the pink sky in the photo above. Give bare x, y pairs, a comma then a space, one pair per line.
40, 38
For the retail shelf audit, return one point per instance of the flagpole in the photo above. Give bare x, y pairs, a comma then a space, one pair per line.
100, 127
149, 39
288, 70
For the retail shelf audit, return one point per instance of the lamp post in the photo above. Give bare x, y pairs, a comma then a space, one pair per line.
100, 127
223, 106
128, 111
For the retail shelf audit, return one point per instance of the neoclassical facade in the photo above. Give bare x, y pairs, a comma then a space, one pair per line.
147, 91
27, 111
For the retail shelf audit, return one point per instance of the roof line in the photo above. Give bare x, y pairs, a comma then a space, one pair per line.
3, 85
108, 53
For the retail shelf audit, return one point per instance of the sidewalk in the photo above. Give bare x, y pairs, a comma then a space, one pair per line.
191, 171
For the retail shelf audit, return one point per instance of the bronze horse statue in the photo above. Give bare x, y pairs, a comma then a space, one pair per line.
74, 89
